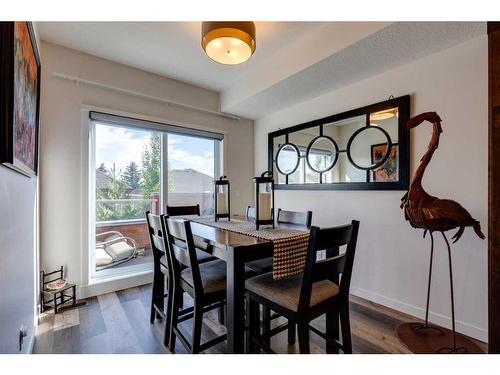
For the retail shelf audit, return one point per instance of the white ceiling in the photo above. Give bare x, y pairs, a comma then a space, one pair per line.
170, 49
293, 61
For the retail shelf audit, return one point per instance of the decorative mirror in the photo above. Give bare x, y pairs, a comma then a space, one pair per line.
362, 149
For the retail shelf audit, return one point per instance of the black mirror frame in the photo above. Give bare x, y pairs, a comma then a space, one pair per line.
376, 165
335, 145
296, 149
403, 105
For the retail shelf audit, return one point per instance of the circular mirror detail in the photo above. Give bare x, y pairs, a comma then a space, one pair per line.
322, 154
287, 158
368, 143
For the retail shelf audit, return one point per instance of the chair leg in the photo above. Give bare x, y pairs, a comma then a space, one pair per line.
168, 313
176, 305
152, 313
252, 316
291, 333
303, 334
197, 324
266, 323
222, 314
162, 296
345, 324
332, 331
154, 297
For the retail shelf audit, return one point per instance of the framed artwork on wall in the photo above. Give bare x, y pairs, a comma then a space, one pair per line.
387, 172
19, 97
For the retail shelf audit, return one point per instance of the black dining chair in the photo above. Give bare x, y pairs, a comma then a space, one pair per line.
305, 297
204, 282
161, 273
173, 211
296, 219
183, 210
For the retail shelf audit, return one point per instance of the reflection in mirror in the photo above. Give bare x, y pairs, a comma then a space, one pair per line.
277, 143
361, 144
384, 115
340, 132
349, 173
322, 154
387, 172
287, 159
302, 139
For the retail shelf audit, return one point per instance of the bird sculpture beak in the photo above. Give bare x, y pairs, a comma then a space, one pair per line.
432, 117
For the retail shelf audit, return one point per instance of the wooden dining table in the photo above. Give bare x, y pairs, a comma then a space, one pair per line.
235, 249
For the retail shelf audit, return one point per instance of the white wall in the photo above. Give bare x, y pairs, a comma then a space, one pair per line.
19, 257
64, 139
392, 258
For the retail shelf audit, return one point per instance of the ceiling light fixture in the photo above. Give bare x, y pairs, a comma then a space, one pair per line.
228, 43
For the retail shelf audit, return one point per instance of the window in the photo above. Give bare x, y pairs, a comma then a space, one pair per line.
139, 166
191, 171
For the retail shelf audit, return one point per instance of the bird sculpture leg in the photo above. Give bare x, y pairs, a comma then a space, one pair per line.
426, 329
451, 291
454, 348
429, 282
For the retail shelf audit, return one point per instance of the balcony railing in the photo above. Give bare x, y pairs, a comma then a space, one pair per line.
131, 209
127, 216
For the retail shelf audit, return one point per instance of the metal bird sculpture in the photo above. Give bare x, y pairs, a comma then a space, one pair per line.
423, 210
433, 214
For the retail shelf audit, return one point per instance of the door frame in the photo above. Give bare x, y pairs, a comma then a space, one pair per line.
493, 187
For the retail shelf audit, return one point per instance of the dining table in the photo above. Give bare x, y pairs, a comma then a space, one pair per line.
235, 249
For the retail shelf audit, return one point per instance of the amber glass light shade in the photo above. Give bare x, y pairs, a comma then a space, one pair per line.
228, 43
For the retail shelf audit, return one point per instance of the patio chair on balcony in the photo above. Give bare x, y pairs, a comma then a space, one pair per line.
113, 248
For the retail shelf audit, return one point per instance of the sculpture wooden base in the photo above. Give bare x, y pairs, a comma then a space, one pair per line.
434, 340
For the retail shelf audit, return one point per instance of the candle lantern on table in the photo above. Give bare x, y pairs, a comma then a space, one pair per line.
222, 199
264, 199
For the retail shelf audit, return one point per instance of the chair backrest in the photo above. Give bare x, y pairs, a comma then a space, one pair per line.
47, 278
183, 210
296, 218
182, 250
314, 271
250, 213
156, 237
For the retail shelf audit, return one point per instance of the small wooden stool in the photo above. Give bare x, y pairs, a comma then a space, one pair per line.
56, 297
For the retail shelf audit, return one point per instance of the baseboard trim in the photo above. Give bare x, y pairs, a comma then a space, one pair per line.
108, 286
442, 320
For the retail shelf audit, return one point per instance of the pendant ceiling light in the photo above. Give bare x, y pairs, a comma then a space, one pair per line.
228, 43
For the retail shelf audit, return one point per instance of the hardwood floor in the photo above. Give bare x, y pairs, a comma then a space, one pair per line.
119, 323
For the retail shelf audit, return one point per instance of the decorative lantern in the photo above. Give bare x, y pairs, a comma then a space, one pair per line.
222, 199
264, 199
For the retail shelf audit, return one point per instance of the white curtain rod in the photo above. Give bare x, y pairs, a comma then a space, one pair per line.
78, 81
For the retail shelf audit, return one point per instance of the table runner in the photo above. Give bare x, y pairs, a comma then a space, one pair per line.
289, 245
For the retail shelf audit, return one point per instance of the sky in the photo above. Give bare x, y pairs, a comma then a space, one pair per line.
123, 145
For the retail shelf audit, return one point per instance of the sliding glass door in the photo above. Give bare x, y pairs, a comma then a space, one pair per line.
138, 167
